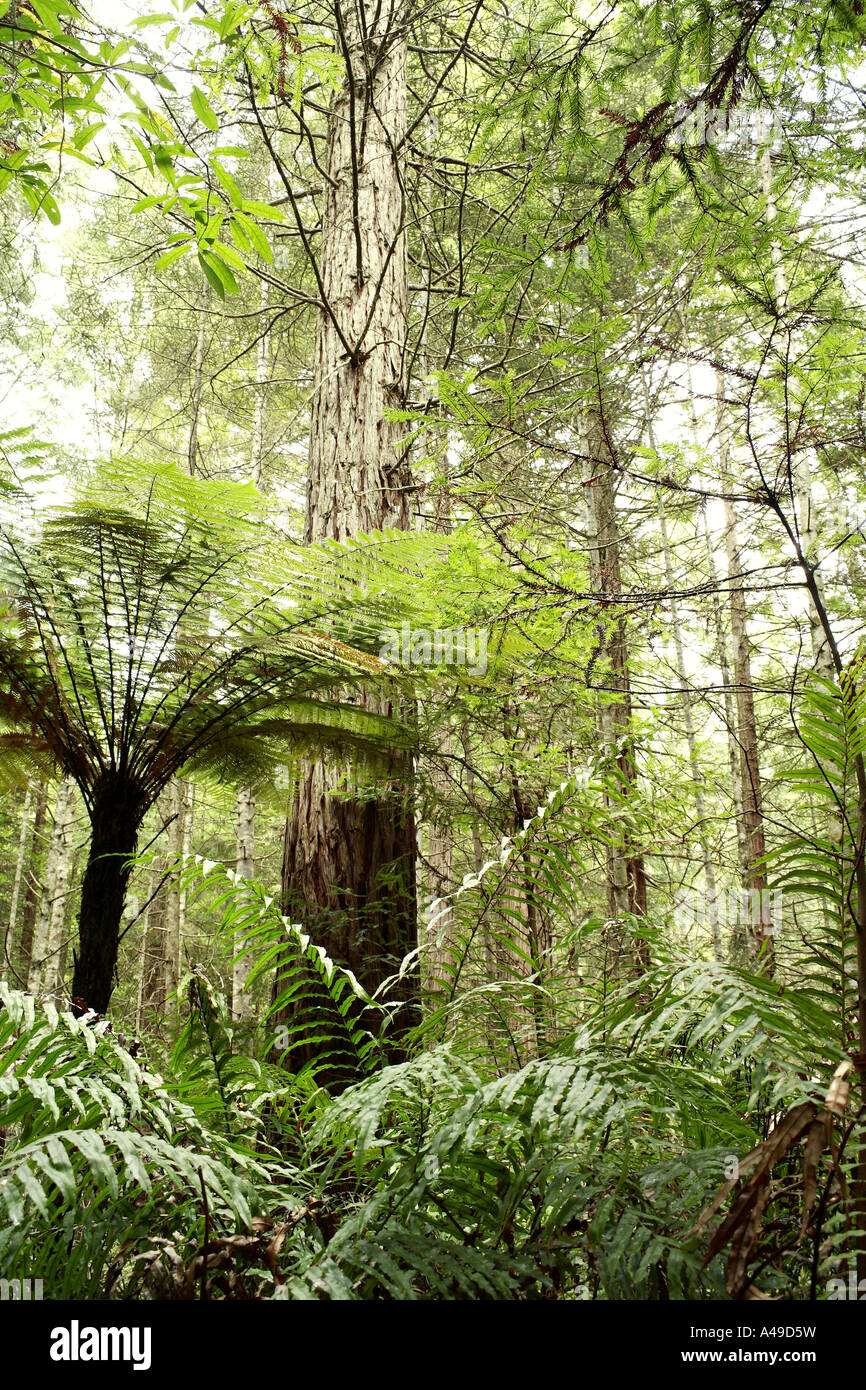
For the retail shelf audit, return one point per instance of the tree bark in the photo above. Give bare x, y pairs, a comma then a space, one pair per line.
686, 697
759, 926
31, 893
721, 638
19, 868
245, 832
55, 962
115, 817
49, 917
626, 874
349, 863
245, 865
196, 384
180, 806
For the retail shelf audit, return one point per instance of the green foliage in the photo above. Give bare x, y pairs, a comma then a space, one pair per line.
96, 1153
341, 1032
173, 632
819, 867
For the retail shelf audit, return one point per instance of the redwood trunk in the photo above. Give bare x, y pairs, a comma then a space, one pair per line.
349, 864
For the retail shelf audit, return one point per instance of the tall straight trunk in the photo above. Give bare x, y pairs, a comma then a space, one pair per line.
31, 891
477, 842
469, 761
436, 938
626, 873
263, 355
180, 809
759, 926
18, 873
801, 464
349, 862
115, 817
181, 794
440, 877
49, 917
55, 963
141, 997
721, 638
245, 864
157, 926
171, 967
729, 701
686, 698
538, 944
196, 383
245, 818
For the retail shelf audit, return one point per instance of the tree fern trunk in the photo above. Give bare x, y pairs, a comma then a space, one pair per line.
115, 817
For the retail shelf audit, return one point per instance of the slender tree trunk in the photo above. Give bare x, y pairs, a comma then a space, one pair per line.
154, 983
171, 970
49, 917
721, 638
175, 905
31, 891
196, 384
440, 855
729, 701
245, 864
801, 465
245, 860
439, 921
18, 873
539, 943
55, 963
626, 874
349, 864
142, 991
759, 925
469, 759
686, 698
477, 842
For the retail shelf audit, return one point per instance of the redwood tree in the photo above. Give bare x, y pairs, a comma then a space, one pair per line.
349, 864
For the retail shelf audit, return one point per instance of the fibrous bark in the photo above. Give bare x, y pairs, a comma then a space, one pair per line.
349, 863
760, 925
115, 816
626, 875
